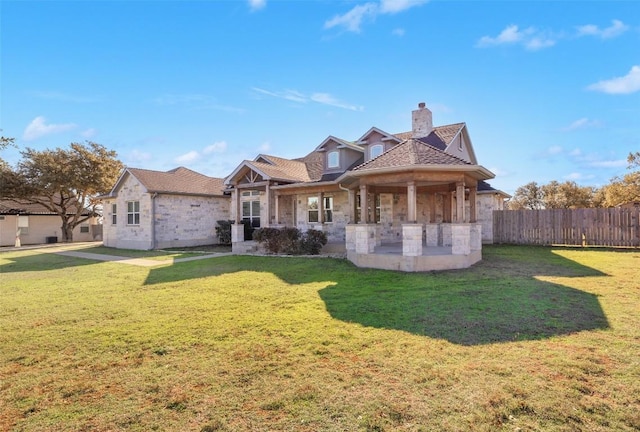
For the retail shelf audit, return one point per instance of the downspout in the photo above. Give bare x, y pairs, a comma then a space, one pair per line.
153, 220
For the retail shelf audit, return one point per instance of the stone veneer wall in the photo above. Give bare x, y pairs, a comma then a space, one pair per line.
183, 220
180, 220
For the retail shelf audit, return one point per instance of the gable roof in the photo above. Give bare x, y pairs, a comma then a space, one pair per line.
387, 136
341, 144
179, 181
410, 153
274, 168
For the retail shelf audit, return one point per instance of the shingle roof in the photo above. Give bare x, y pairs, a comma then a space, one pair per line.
283, 169
409, 153
314, 162
178, 181
8, 207
440, 137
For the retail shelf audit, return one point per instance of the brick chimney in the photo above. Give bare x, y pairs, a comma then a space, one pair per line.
422, 121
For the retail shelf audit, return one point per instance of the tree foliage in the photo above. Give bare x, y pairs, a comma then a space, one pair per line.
623, 189
64, 181
529, 196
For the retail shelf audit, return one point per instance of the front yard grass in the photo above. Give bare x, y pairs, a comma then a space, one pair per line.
530, 339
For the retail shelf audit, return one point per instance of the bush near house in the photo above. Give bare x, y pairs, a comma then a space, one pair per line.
223, 231
290, 241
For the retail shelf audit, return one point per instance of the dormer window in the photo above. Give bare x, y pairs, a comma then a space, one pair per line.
333, 159
375, 150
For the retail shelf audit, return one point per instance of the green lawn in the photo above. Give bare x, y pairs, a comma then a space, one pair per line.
530, 339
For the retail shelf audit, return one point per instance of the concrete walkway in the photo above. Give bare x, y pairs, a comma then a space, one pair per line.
142, 262
71, 250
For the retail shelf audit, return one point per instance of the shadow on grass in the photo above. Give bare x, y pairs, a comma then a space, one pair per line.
30, 262
500, 300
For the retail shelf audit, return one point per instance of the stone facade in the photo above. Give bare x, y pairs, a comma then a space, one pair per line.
166, 220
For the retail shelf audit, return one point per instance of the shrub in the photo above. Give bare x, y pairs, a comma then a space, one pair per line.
223, 232
290, 241
312, 241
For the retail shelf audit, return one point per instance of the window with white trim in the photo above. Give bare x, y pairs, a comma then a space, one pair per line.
133, 212
333, 159
375, 150
328, 209
251, 207
114, 214
313, 209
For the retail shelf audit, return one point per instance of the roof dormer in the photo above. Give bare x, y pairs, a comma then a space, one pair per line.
339, 154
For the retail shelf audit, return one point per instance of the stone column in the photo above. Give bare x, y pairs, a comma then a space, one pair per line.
277, 207
460, 236
237, 232
350, 237
365, 238
475, 237
412, 239
236, 204
432, 234
321, 208
447, 240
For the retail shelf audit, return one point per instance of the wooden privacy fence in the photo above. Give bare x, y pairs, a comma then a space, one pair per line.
615, 227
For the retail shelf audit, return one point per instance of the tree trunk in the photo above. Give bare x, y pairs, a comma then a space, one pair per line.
67, 233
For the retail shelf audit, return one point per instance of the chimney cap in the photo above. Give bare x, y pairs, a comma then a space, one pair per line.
421, 105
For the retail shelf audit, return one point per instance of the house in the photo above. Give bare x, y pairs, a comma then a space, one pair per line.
35, 224
148, 209
411, 201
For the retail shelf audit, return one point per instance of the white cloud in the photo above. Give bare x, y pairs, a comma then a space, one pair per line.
265, 147
582, 123
137, 156
255, 5
620, 163
395, 6
189, 157
39, 128
352, 20
63, 97
398, 32
531, 38
327, 99
318, 97
616, 29
216, 147
554, 150
630, 83
88, 133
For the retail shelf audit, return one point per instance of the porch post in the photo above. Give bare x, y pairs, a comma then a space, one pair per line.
268, 206
473, 216
352, 205
460, 216
321, 209
364, 204
431, 203
412, 216
236, 204
277, 207
446, 207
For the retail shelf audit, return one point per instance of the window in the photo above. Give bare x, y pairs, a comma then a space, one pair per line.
313, 209
377, 209
23, 225
133, 213
375, 150
328, 209
114, 214
333, 159
251, 207
84, 228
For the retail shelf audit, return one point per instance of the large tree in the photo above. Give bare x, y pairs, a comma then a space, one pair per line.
65, 181
624, 189
566, 195
529, 196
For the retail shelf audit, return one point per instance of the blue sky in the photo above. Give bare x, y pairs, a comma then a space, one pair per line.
550, 90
